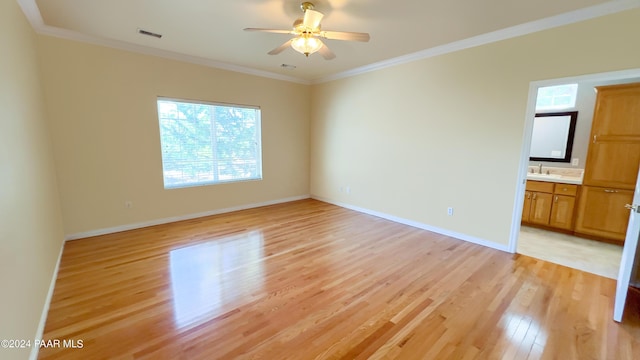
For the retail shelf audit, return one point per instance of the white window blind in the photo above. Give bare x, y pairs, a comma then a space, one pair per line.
206, 143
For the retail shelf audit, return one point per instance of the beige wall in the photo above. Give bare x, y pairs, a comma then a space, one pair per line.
30, 223
414, 139
408, 141
102, 107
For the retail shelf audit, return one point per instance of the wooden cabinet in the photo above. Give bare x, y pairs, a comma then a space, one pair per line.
564, 203
565, 189
540, 208
614, 152
562, 212
612, 163
526, 208
549, 204
601, 213
537, 202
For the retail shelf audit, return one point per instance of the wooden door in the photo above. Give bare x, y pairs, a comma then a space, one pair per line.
562, 212
540, 208
601, 212
526, 208
614, 153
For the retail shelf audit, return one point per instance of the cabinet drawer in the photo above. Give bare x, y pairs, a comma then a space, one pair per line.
540, 186
566, 189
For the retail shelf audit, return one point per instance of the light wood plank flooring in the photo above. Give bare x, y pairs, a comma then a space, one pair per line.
587, 255
309, 280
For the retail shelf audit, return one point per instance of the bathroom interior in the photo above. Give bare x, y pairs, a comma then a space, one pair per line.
559, 147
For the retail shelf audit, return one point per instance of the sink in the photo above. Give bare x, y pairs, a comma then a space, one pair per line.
544, 176
555, 178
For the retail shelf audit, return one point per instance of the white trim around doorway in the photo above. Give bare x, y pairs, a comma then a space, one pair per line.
528, 130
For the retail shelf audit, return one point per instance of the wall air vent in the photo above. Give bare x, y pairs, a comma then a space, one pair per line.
149, 33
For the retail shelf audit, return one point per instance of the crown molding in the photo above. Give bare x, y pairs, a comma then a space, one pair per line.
592, 12
31, 11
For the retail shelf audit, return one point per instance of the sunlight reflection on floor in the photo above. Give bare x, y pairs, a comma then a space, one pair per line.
205, 277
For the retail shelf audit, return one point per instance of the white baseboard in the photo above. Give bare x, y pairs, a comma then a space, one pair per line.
45, 311
179, 218
465, 237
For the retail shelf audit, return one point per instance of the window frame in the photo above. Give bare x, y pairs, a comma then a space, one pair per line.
258, 142
557, 108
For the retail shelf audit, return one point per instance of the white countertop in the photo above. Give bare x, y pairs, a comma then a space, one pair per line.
555, 178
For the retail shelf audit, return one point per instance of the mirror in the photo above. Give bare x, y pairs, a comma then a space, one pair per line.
552, 138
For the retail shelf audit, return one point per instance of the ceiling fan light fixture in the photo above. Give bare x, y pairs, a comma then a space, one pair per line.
307, 34
306, 45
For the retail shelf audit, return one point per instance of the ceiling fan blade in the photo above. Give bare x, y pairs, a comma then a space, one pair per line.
326, 53
312, 19
280, 48
275, 31
343, 35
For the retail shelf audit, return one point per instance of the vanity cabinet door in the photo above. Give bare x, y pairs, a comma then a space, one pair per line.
601, 212
526, 208
540, 208
562, 212
537, 202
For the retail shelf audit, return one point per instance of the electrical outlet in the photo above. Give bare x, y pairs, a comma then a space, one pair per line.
450, 211
128, 204
575, 162
348, 189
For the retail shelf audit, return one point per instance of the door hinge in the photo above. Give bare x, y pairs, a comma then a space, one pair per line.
635, 208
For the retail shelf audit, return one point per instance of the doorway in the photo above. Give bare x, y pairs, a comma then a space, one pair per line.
551, 246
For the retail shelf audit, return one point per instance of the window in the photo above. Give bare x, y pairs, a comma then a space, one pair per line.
557, 97
206, 143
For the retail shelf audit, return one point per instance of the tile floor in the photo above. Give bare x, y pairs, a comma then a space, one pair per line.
591, 256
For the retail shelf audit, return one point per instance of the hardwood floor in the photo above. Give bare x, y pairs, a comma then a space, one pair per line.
309, 280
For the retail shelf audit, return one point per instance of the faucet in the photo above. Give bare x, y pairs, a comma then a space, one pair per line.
540, 169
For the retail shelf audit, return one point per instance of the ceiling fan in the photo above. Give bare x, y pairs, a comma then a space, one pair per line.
307, 34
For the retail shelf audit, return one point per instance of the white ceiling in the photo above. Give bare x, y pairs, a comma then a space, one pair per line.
210, 32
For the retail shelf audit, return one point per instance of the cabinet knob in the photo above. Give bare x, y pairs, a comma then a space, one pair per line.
610, 190
556, 199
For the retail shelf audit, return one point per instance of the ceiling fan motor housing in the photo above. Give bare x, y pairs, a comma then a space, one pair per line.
307, 6
298, 26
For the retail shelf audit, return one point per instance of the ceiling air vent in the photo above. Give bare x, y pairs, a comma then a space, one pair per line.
149, 33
